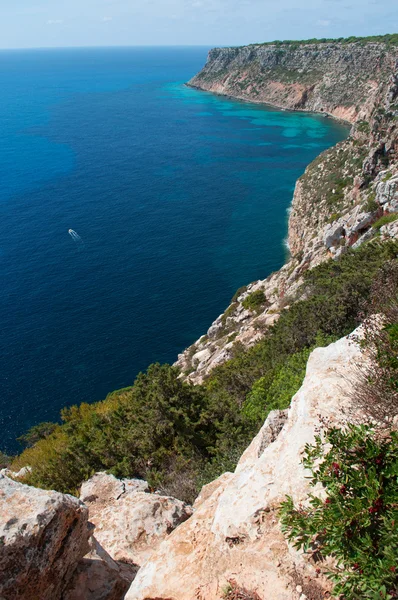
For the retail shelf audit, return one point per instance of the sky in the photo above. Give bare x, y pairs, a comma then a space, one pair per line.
59, 23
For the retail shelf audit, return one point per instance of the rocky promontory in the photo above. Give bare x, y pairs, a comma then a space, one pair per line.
339, 79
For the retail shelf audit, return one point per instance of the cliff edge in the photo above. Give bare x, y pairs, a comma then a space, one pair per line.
343, 193
339, 79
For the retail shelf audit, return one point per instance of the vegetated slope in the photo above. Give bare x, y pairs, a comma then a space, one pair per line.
179, 436
341, 195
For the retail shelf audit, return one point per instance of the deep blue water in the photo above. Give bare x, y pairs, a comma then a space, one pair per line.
179, 196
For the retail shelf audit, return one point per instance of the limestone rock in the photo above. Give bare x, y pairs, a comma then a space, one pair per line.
333, 234
130, 523
234, 532
330, 78
43, 535
390, 230
98, 577
387, 190
105, 488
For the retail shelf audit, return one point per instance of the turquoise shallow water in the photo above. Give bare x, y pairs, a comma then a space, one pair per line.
179, 197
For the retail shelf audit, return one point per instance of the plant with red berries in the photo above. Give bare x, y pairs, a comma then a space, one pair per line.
356, 523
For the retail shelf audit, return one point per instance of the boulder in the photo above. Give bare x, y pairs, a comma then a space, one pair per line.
387, 191
234, 533
98, 577
390, 230
201, 357
333, 234
130, 523
107, 488
43, 536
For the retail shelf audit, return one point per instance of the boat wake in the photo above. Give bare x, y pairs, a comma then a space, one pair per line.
76, 238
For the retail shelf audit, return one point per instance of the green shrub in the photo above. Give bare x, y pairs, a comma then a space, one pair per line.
370, 204
384, 220
356, 524
238, 292
276, 389
255, 301
363, 126
5, 460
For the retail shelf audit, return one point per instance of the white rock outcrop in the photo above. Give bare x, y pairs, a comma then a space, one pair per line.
129, 522
234, 532
43, 536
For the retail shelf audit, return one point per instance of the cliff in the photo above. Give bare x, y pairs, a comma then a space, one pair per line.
339, 79
234, 534
341, 195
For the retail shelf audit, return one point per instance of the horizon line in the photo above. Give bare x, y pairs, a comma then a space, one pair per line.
88, 46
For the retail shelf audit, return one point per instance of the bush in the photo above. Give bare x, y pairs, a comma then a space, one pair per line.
36, 433
371, 205
5, 460
276, 389
356, 523
375, 382
238, 292
384, 220
255, 301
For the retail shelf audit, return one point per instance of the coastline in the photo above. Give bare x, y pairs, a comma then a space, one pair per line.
325, 114
285, 239
333, 205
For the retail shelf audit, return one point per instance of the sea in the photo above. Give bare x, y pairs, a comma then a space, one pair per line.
131, 209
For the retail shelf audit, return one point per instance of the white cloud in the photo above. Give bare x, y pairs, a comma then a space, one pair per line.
324, 22
54, 21
106, 19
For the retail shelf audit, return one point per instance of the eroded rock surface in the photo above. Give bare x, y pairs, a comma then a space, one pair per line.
234, 532
98, 577
334, 78
129, 522
43, 535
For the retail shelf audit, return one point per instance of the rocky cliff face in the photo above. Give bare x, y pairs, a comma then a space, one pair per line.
341, 194
234, 533
339, 79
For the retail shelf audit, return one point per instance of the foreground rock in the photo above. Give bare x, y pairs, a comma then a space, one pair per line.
43, 536
98, 577
234, 533
130, 523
